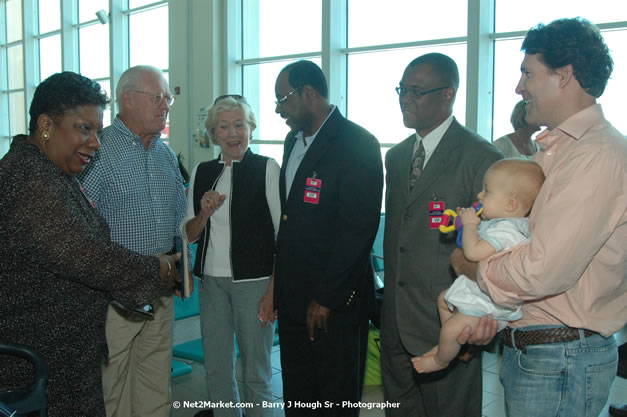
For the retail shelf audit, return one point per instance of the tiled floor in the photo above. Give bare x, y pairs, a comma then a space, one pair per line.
192, 387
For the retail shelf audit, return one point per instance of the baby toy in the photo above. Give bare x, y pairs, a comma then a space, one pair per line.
457, 222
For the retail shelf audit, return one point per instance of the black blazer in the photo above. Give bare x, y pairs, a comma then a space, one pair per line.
322, 249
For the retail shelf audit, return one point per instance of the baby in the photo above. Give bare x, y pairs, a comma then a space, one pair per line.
510, 187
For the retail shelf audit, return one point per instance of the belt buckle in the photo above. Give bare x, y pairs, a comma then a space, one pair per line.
522, 347
517, 344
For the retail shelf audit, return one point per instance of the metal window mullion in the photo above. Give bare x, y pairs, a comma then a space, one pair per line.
146, 7
232, 34
276, 58
404, 45
4, 65
334, 40
480, 67
70, 51
30, 24
4, 75
119, 46
47, 34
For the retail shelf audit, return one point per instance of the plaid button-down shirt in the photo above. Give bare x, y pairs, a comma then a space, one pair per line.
139, 191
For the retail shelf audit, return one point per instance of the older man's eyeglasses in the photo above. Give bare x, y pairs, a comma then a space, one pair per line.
235, 97
415, 92
158, 96
280, 101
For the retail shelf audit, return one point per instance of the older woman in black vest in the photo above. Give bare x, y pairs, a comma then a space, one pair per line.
233, 213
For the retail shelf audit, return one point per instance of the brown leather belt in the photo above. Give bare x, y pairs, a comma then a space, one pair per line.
540, 337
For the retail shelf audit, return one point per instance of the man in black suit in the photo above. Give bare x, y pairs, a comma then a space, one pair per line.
331, 184
440, 167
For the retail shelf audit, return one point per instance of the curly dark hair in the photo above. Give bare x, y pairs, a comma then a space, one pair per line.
576, 42
62, 92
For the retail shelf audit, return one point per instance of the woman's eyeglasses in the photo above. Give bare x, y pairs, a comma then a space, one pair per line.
235, 97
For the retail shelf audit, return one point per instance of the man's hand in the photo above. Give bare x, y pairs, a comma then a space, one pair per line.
483, 334
317, 317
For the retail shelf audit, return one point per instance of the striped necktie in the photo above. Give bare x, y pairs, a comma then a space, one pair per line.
417, 164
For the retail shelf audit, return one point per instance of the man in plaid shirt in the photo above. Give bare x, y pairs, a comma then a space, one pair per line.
136, 185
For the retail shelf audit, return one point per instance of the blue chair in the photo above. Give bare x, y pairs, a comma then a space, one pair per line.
184, 309
6, 411
190, 307
30, 398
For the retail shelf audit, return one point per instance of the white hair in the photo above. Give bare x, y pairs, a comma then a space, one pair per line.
131, 79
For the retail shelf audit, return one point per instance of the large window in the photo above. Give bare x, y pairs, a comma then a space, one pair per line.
511, 23
375, 42
383, 38
378, 39
148, 40
67, 35
93, 43
523, 16
362, 45
271, 40
373, 102
49, 38
12, 99
373, 22
148, 37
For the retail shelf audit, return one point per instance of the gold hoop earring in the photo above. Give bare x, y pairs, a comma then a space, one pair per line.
45, 136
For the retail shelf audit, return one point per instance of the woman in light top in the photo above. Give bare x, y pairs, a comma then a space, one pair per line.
519, 143
233, 211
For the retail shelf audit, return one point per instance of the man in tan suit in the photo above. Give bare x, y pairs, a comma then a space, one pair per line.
438, 168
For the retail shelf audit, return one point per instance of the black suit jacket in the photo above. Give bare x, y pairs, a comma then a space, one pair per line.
322, 249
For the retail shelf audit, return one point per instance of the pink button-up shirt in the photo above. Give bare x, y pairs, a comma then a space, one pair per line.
574, 270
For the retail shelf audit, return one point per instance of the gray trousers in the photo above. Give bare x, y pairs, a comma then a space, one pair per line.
454, 391
228, 310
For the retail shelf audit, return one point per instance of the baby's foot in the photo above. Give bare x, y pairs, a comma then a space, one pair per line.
428, 362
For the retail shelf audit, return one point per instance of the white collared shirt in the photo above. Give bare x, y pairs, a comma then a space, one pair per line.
298, 154
433, 138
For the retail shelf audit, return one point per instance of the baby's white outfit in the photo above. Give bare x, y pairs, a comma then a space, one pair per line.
465, 294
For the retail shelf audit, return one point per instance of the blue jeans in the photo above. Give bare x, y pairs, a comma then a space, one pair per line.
559, 379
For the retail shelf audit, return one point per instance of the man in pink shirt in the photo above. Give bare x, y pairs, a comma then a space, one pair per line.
560, 359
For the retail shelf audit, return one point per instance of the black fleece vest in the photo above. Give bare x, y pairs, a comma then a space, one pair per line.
252, 231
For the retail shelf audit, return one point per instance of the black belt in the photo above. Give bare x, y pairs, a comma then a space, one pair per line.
540, 337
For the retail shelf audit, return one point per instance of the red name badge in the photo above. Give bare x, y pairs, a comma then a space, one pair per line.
312, 190
436, 210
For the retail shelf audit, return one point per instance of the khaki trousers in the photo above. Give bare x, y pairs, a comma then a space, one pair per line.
136, 378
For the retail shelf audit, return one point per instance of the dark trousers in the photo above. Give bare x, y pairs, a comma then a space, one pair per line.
323, 377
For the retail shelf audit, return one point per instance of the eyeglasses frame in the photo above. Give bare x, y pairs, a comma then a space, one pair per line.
414, 91
169, 99
279, 102
236, 97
